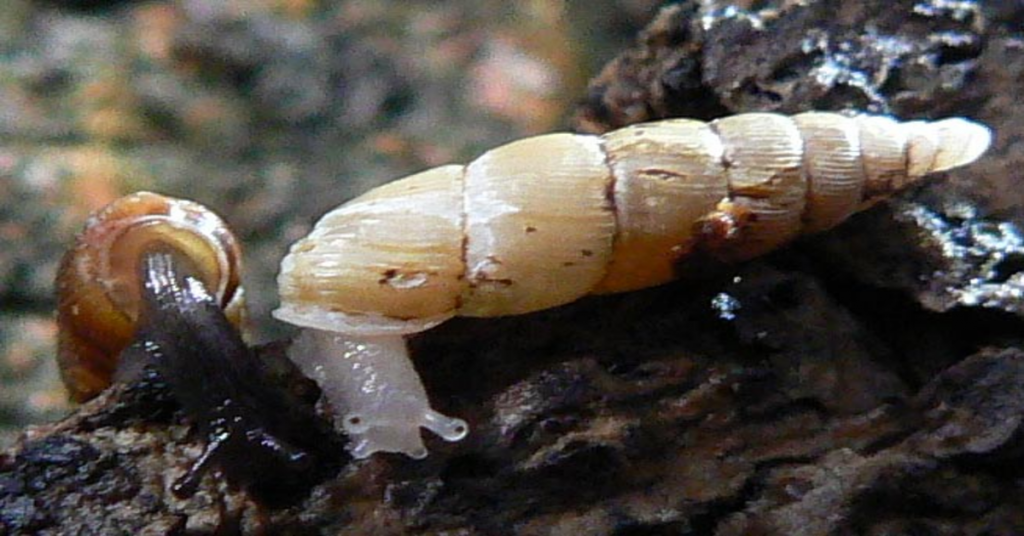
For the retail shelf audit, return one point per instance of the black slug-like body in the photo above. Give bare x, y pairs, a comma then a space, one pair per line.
150, 294
255, 435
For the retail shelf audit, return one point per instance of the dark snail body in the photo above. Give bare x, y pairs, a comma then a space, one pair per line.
254, 434
98, 281
151, 291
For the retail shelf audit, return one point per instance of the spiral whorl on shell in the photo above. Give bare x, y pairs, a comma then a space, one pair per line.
99, 280
546, 220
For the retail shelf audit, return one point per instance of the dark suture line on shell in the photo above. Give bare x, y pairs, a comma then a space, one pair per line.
611, 203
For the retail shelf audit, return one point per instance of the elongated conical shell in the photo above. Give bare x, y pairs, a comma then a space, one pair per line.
543, 221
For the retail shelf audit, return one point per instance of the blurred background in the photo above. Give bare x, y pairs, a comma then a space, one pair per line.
269, 111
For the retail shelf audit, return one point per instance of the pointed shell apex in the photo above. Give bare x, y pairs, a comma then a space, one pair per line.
961, 141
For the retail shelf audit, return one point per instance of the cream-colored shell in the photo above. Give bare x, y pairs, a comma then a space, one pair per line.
539, 224
667, 175
546, 220
396, 252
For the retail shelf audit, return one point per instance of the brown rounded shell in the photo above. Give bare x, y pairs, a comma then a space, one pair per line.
98, 282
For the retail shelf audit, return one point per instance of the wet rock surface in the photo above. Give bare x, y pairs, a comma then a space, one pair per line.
866, 381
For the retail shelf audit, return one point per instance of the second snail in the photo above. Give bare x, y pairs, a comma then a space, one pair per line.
546, 220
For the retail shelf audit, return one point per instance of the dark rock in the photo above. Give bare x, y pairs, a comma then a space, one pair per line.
976, 408
706, 59
868, 381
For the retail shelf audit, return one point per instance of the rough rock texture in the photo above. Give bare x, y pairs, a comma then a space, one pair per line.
867, 381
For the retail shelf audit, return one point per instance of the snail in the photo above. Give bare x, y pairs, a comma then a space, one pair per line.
99, 286
546, 220
152, 284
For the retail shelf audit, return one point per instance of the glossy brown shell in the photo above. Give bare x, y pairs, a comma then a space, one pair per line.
98, 282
